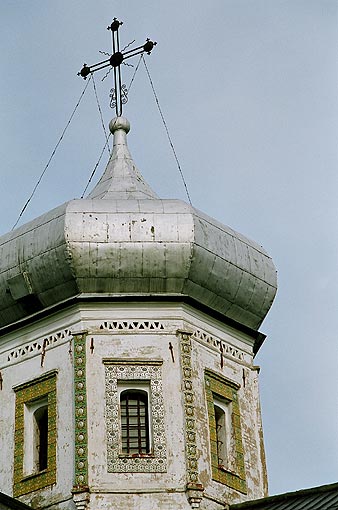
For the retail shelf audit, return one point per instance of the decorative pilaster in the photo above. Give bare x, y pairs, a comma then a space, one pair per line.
80, 406
194, 488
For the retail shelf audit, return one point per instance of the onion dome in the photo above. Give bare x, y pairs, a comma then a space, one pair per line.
123, 242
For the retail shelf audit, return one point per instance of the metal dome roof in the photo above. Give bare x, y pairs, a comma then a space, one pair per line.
124, 241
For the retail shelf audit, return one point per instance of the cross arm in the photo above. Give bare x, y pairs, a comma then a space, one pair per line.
117, 58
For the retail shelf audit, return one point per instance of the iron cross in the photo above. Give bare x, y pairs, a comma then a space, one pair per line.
119, 93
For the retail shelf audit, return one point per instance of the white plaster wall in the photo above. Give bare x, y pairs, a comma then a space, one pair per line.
128, 345
140, 501
250, 424
141, 347
145, 490
25, 368
249, 401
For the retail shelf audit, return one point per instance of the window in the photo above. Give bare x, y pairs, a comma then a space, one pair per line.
41, 437
221, 434
134, 422
224, 434
35, 434
135, 416
226, 447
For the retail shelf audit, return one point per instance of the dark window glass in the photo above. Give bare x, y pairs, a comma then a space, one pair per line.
41, 440
134, 422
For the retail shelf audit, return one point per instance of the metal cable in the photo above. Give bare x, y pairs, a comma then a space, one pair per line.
134, 74
95, 167
167, 131
51, 156
101, 116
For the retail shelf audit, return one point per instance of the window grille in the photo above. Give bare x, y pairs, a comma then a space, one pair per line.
220, 435
134, 422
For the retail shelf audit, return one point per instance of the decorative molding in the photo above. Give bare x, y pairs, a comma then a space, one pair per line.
117, 463
216, 385
80, 406
132, 361
133, 326
189, 409
155, 326
38, 345
43, 377
24, 394
226, 348
224, 381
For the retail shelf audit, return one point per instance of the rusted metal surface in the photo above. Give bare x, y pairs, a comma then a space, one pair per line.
123, 240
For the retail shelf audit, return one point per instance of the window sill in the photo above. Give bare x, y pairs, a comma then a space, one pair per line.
34, 475
226, 470
136, 456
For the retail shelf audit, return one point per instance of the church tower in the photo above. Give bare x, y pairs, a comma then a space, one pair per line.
128, 330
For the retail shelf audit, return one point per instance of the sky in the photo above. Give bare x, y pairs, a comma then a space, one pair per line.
248, 90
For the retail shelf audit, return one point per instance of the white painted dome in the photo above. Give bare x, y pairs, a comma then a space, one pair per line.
123, 242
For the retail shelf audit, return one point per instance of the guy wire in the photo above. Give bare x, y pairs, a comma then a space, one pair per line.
95, 167
51, 156
101, 116
134, 74
167, 131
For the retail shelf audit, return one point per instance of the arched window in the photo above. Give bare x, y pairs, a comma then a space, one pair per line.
134, 422
41, 437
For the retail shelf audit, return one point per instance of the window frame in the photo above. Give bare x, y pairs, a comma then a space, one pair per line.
122, 373
224, 394
29, 397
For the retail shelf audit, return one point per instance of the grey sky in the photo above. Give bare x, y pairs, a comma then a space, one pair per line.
249, 92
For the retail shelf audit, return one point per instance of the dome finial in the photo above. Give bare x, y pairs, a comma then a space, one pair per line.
121, 178
119, 123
